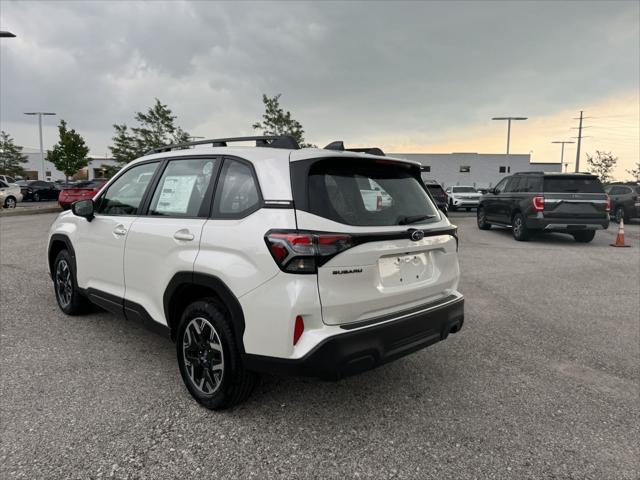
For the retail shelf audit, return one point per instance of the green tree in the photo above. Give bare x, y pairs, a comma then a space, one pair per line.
11, 156
156, 127
70, 153
635, 172
275, 121
602, 164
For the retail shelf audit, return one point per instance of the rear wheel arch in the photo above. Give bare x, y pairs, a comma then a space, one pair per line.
188, 287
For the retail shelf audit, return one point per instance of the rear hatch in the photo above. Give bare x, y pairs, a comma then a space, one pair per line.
394, 256
574, 198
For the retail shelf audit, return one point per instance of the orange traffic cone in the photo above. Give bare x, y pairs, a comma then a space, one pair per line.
620, 237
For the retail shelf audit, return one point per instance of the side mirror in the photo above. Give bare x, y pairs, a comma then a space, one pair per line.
83, 208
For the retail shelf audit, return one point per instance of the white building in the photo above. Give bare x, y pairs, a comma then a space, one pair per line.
474, 169
33, 167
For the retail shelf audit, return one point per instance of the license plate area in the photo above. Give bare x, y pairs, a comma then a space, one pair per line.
405, 269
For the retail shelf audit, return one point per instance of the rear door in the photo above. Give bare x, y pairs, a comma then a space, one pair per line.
166, 238
574, 197
387, 270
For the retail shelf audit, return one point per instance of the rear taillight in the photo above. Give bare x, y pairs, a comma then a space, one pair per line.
538, 204
607, 205
304, 252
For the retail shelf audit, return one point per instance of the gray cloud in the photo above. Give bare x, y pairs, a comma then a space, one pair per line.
347, 70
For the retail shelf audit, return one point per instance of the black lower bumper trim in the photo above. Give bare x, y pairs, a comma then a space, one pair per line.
356, 351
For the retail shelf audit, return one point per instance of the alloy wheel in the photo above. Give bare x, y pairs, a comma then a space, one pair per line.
517, 226
203, 355
10, 203
64, 283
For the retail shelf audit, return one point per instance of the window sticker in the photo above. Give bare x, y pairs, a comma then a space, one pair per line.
176, 193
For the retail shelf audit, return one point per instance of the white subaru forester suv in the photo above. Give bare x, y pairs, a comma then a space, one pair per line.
264, 259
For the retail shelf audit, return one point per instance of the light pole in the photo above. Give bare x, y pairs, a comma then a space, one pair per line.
508, 119
40, 114
562, 150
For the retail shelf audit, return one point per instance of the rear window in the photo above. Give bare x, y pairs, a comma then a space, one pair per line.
364, 193
572, 185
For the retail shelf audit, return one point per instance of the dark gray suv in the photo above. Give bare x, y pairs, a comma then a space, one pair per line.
531, 202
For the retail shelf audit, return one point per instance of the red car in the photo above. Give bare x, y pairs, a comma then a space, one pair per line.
80, 191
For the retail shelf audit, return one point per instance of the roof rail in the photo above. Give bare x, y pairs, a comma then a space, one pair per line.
272, 141
529, 173
339, 145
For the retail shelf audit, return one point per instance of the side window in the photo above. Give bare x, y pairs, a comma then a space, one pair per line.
124, 195
3, 185
514, 185
237, 192
500, 186
183, 189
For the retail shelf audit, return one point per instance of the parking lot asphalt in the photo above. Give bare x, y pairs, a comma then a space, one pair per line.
543, 381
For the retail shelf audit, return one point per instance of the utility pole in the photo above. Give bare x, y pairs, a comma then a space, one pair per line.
40, 114
508, 119
562, 150
579, 142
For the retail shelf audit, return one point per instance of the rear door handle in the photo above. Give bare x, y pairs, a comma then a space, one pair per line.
184, 235
120, 230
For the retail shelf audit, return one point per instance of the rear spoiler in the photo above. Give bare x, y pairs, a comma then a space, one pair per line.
339, 145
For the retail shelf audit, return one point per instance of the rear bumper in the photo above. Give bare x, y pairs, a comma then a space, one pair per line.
365, 348
568, 224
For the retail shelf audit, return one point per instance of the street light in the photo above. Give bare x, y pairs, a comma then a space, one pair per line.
40, 114
508, 119
562, 150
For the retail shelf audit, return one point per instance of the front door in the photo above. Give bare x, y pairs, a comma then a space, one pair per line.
100, 246
493, 203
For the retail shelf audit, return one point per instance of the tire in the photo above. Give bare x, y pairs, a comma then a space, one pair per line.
585, 236
452, 207
36, 197
468, 209
218, 353
68, 296
619, 214
519, 228
10, 202
481, 218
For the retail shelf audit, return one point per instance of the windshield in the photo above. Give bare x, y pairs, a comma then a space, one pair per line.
366, 193
464, 190
572, 185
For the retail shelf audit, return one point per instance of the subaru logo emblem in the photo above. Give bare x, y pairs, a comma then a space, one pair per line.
416, 235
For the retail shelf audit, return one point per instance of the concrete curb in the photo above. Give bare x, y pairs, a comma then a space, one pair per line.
12, 212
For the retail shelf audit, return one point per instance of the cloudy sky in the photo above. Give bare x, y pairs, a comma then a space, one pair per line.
409, 77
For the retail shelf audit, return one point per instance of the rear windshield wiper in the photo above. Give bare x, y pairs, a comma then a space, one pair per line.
413, 219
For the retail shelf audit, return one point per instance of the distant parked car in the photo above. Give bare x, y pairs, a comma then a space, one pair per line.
7, 179
461, 196
438, 194
10, 195
80, 191
37, 190
532, 202
625, 201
